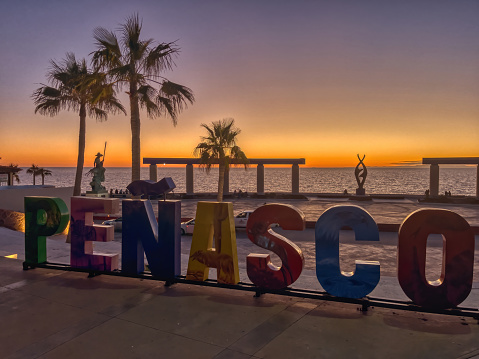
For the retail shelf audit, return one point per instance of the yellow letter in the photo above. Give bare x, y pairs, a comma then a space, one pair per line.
214, 220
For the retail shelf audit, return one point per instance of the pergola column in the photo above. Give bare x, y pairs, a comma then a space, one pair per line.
189, 179
260, 162
477, 183
154, 172
434, 179
260, 179
226, 186
295, 179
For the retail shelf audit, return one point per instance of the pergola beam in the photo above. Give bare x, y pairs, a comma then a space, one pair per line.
260, 162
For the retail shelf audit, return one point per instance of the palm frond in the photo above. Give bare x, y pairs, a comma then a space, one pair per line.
173, 98
97, 113
121, 73
133, 47
108, 54
220, 143
160, 58
33, 169
166, 106
146, 96
73, 86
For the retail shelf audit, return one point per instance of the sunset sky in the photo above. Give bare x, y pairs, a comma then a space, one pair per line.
323, 80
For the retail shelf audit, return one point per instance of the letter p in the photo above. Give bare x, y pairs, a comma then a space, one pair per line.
44, 216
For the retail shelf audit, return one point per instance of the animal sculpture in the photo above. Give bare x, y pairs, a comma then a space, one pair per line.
151, 188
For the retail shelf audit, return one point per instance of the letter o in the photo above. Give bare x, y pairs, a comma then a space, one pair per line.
455, 282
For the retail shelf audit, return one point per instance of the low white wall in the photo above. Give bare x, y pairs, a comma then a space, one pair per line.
13, 198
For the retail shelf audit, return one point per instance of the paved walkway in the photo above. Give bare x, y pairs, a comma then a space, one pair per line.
54, 314
47, 313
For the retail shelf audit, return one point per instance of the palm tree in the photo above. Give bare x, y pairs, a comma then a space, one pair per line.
219, 146
15, 175
34, 171
43, 172
138, 64
75, 87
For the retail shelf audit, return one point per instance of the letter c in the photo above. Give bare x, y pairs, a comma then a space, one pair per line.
367, 274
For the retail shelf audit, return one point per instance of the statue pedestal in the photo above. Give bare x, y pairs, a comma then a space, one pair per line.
360, 192
97, 194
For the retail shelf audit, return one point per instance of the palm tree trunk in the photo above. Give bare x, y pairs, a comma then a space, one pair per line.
43, 179
221, 181
81, 151
135, 132
34, 178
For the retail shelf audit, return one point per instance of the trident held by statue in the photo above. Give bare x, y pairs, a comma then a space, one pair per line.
104, 152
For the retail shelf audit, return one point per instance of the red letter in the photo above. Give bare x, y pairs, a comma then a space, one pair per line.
457, 262
259, 267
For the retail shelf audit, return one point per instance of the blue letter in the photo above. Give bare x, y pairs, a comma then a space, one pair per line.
366, 275
161, 241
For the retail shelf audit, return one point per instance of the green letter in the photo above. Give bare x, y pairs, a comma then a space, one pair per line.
44, 216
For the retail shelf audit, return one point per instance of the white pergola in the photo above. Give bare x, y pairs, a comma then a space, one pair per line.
434, 170
259, 162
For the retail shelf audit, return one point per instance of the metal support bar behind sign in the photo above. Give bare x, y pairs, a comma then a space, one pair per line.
365, 302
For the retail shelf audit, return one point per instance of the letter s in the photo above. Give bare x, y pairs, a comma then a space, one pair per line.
259, 267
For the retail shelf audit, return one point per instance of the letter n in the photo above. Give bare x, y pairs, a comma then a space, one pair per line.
161, 242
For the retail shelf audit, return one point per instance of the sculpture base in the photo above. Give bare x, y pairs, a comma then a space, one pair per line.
360, 192
360, 198
103, 193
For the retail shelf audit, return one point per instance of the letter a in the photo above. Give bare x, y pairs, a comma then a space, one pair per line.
214, 220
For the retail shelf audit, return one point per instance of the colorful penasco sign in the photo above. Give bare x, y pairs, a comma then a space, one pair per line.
214, 245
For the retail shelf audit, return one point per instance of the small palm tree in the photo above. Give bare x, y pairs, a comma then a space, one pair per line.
15, 175
219, 146
43, 172
138, 64
34, 171
76, 87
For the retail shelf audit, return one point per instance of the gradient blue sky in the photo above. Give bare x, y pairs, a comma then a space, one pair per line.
324, 80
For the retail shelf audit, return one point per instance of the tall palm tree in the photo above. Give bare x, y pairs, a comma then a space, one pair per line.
34, 171
43, 172
75, 87
219, 146
138, 64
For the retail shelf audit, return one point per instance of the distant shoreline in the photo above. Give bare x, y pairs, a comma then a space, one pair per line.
419, 166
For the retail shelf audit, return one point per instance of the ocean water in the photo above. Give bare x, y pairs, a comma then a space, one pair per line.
380, 180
